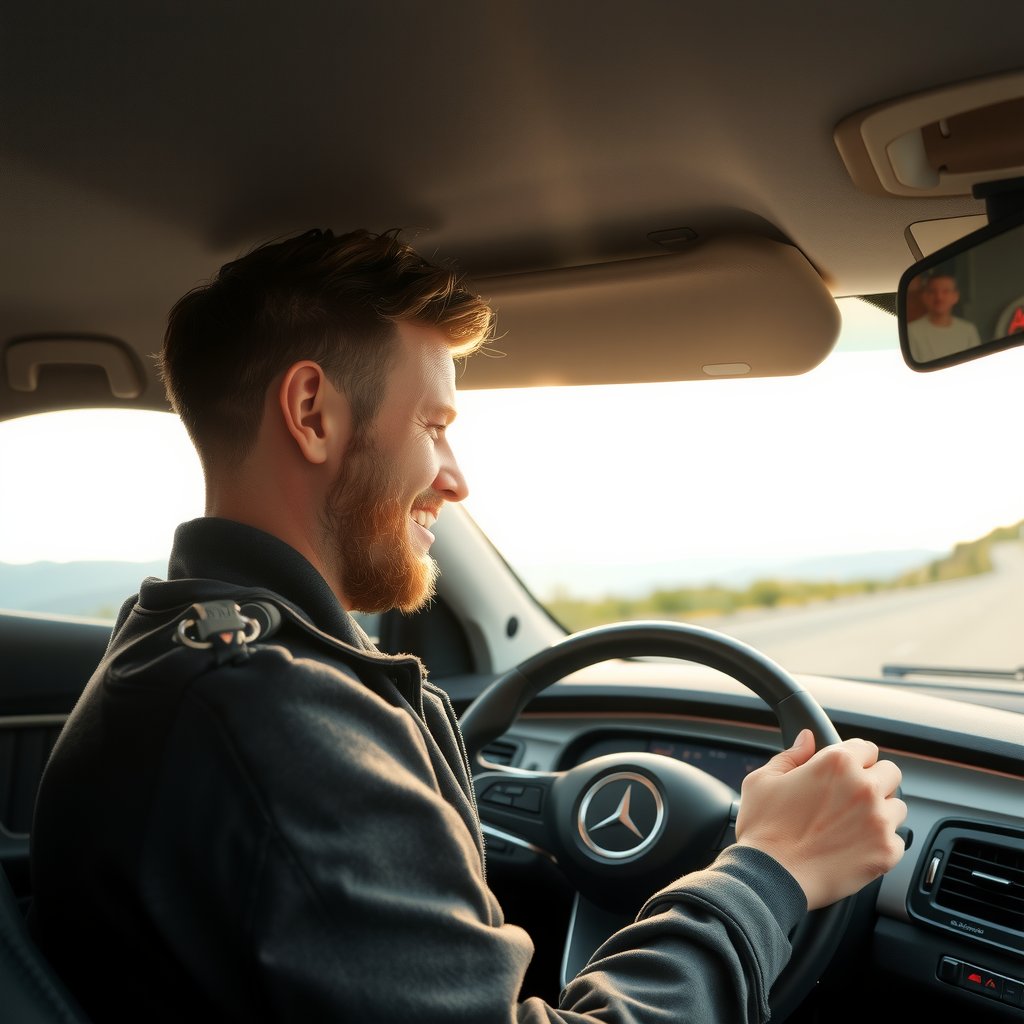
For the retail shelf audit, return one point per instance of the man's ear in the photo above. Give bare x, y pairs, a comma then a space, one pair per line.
315, 413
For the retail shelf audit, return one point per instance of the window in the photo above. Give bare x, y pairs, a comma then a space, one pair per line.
90, 502
816, 517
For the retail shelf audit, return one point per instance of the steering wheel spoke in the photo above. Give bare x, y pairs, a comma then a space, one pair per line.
589, 926
516, 807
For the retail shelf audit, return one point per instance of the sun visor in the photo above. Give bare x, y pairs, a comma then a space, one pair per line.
736, 306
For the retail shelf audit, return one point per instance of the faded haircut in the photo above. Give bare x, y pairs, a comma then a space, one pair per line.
333, 300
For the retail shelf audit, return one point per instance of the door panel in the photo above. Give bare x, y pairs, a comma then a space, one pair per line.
46, 662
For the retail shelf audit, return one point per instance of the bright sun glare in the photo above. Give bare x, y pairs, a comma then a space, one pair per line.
860, 454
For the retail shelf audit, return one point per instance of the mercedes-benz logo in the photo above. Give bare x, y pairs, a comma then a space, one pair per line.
620, 816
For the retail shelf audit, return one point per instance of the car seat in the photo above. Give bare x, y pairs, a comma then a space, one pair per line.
30, 991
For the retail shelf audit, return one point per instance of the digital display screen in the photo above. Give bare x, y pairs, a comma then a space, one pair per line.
727, 764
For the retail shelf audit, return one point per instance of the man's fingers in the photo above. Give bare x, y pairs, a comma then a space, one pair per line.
886, 777
864, 751
897, 812
796, 755
829, 818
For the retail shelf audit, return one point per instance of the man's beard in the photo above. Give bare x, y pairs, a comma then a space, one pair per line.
366, 536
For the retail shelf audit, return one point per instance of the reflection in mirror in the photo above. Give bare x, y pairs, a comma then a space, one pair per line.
966, 299
936, 331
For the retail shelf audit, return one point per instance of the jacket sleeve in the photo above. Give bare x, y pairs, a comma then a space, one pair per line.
359, 892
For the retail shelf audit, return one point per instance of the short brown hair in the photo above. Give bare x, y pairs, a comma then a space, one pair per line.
334, 300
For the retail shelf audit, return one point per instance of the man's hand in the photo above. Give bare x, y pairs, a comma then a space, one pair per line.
829, 818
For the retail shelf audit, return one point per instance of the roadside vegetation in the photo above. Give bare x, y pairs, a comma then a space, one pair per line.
969, 558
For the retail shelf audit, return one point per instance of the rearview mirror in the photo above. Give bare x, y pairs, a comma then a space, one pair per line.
965, 300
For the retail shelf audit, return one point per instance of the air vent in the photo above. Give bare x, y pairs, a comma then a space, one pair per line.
984, 880
970, 880
504, 752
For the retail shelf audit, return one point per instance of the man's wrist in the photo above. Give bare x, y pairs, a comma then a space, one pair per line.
762, 874
776, 885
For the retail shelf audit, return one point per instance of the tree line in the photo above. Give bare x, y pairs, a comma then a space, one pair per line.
969, 558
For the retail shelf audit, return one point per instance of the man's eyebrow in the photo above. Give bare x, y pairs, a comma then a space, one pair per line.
444, 412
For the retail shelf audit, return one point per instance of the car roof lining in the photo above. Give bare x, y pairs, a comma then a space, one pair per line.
143, 148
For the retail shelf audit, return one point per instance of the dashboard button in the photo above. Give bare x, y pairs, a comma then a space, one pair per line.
976, 980
521, 797
497, 795
529, 800
1013, 992
949, 970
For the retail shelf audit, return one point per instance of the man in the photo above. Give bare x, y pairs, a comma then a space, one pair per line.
282, 827
938, 333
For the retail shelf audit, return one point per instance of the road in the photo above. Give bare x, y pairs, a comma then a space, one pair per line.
976, 622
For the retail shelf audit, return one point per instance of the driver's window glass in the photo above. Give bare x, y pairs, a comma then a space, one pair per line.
90, 502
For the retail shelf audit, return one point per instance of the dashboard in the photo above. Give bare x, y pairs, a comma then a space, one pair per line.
923, 931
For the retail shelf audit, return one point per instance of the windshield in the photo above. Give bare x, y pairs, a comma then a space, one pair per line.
858, 517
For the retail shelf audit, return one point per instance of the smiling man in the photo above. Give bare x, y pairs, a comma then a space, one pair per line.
359, 502
254, 815
317, 376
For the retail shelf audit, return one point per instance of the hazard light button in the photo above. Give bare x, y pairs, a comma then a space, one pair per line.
990, 985
977, 979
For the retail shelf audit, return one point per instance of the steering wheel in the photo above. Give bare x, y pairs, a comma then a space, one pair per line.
622, 826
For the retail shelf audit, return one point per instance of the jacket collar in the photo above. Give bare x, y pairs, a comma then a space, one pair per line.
215, 559
243, 556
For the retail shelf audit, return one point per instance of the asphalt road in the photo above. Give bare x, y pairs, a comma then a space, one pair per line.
976, 622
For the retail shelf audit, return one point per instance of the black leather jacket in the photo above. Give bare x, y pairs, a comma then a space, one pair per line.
288, 832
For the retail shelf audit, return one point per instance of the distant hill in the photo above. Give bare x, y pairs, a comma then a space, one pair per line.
793, 583
589, 580
968, 558
96, 589
92, 589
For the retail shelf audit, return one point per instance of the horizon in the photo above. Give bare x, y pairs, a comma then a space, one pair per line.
857, 456
631, 581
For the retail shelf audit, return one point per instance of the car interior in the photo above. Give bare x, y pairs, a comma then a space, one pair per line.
650, 195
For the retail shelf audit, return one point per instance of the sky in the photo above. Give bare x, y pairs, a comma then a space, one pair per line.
860, 454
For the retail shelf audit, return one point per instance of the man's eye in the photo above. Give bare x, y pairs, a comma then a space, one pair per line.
436, 430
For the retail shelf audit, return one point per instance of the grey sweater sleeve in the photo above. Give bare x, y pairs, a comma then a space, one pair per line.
706, 949
369, 901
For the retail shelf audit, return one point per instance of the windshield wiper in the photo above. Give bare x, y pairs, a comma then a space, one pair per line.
902, 671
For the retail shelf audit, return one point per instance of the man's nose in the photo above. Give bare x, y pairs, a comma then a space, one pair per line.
450, 482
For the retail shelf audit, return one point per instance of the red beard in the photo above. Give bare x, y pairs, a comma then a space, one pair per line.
366, 536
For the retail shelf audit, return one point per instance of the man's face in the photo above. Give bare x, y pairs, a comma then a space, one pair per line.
940, 295
394, 480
